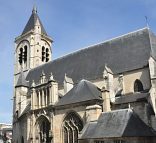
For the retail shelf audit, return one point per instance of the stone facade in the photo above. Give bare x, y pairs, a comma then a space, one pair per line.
46, 110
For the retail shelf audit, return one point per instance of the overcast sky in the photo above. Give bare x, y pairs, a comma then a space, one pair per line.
72, 24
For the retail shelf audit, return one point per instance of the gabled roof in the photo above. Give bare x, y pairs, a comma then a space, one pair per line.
22, 81
83, 91
121, 54
116, 124
32, 21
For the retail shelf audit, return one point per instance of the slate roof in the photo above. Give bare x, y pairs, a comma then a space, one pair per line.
116, 124
22, 81
124, 53
83, 91
27, 109
32, 21
133, 97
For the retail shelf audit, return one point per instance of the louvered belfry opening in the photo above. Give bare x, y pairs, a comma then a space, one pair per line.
22, 57
45, 54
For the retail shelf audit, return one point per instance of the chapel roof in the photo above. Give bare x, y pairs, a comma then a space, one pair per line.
116, 124
83, 91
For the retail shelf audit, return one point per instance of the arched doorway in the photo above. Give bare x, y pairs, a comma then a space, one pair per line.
72, 125
43, 126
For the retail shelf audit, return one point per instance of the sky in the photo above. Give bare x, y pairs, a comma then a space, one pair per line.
72, 24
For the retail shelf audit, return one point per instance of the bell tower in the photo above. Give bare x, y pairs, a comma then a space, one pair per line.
33, 46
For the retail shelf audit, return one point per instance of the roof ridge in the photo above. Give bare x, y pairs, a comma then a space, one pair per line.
100, 43
91, 46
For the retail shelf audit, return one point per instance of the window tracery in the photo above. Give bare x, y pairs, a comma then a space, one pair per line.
71, 127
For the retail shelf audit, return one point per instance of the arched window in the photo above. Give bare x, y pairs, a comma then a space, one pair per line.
22, 54
138, 86
72, 125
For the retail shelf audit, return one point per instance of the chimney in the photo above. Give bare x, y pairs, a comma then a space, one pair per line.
106, 99
93, 112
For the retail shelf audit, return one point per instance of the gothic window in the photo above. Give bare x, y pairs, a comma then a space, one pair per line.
72, 125
44, 127
138, 86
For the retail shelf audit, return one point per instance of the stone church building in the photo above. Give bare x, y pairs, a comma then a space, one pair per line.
105, 93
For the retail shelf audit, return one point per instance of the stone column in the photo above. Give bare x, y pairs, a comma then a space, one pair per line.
43, 96
48, 99
39, 99
33, 99
50, 95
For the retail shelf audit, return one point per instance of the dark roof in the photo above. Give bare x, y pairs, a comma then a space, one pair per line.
118, 123
27, 109
22, 81
88, 130
83, 91
32, 21
133, 97
124, 53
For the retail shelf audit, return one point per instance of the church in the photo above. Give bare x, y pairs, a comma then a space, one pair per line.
105, 93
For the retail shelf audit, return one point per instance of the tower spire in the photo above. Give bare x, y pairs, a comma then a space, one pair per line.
34, 11
32, 21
